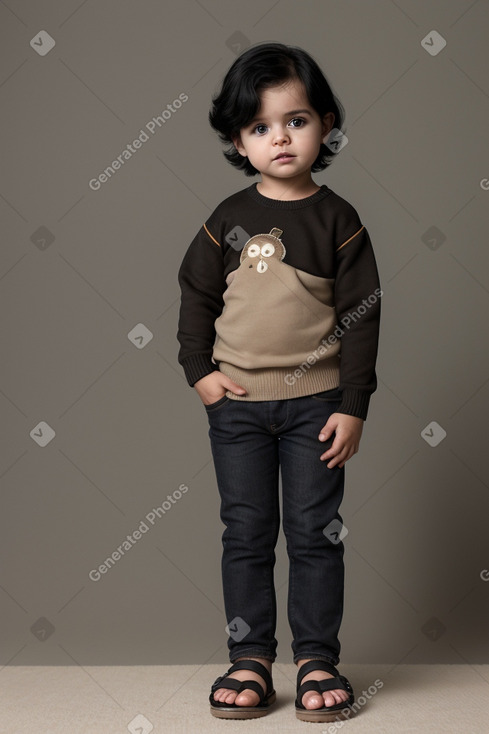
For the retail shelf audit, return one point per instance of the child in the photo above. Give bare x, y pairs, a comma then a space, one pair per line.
278, 332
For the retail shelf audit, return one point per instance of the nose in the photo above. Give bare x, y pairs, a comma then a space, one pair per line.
280, 136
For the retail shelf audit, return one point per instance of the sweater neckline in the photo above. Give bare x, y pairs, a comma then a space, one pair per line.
292, 204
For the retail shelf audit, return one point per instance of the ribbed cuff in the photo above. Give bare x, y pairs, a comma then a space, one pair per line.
354, 402
198, 366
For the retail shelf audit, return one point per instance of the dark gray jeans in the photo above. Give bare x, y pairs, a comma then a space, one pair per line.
250, 440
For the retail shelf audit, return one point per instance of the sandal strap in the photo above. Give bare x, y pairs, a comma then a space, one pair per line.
320, 686
225, 682
315, 665
257, 668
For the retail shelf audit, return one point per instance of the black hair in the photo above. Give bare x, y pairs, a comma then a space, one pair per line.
260, 67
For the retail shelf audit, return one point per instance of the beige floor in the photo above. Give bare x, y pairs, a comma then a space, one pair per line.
174, 700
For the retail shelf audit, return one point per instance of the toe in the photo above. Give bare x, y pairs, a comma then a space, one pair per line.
312, 700
331, 698
247, 698
224, 695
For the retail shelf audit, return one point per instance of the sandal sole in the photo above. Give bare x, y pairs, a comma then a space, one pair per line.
323, 716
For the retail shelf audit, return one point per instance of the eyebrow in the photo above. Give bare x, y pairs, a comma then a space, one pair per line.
286, 114
296, 112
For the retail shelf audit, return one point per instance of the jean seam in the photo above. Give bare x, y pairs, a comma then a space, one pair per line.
267, 580
292, 597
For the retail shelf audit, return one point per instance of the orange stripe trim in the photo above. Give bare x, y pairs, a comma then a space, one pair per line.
212, 238
349, 240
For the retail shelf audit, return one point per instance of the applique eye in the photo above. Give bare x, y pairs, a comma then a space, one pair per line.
262, 266
267, 250
253, 251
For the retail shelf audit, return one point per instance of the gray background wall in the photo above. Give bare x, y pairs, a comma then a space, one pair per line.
99, 424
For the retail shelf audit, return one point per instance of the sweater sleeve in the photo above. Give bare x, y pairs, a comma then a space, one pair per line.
202, 283
357, 303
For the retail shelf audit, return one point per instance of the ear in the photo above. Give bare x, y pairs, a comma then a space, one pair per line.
239, 145
328, 124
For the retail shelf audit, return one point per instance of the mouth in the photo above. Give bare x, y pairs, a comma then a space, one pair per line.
284, 157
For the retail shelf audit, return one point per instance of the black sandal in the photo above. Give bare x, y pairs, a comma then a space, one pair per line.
341, 710
223, 710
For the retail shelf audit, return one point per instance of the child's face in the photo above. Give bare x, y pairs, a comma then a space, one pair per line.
285, 124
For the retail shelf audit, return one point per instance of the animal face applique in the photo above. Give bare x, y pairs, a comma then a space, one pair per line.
262, 247
265, 302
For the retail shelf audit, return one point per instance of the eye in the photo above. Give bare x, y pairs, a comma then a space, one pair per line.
260, 129
297, 122
267, 250
253, 251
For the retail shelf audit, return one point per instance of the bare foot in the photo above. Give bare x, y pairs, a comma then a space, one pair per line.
314, 700
248, 697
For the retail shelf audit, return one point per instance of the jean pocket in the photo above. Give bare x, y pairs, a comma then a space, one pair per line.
217, 403
328, 395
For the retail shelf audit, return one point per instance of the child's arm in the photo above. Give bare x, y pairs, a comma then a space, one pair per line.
357, 304
202, 284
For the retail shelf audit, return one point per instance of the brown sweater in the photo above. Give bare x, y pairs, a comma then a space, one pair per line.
284, 298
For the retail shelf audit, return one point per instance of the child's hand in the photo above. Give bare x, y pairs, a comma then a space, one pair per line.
348, 429
213, 386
